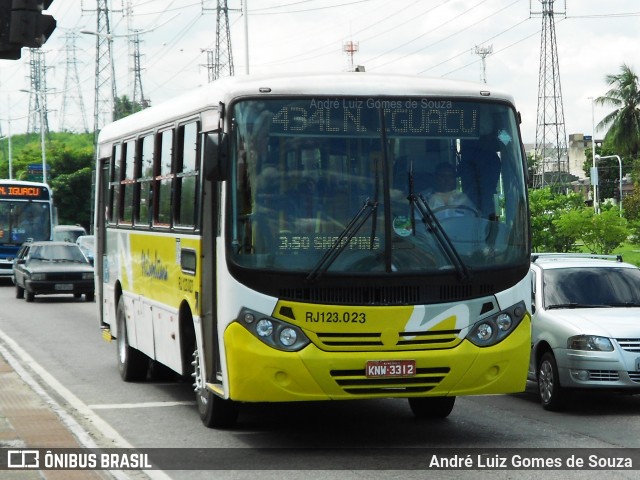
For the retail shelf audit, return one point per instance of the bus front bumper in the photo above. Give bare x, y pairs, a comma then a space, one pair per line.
260, 373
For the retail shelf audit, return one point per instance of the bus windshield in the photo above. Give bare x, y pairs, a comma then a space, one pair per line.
20, 221
372, 186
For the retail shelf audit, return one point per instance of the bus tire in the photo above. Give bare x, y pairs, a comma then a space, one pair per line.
552, 394
19, 292
431, 407
132, 363
215, 412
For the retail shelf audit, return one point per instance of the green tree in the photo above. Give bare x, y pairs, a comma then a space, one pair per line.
601, 233
125, 106
623, 123
70, 161
72, 197
545, 207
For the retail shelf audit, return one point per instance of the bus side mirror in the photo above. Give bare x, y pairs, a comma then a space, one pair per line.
215, 156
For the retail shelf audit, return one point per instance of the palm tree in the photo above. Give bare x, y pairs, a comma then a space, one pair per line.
622, 124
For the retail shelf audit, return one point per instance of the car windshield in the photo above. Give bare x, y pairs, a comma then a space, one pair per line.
591, 287
68, 234
57, 253
86, 243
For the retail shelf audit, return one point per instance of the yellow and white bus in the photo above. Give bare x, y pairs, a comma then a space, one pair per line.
274, 239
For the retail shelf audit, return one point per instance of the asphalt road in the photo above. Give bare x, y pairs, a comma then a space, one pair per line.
59, 341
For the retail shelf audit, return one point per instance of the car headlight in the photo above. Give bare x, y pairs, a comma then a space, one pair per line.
497, 327
273, 332
592, 343
87, 276
38, 276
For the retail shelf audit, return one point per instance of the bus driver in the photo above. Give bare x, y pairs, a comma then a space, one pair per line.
445, 197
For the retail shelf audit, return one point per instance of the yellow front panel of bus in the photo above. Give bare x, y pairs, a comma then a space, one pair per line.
336, 364
352, 328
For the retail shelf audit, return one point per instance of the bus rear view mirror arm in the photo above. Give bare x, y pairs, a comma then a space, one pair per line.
215, 156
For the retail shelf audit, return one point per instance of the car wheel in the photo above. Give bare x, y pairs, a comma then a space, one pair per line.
89, 296
552, 394
19, 292
30, 296
215, 412
132, 363
431, 407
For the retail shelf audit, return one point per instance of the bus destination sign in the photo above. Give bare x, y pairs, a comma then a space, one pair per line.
23, 192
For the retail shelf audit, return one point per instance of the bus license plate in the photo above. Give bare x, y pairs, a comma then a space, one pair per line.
65, 287
390, 368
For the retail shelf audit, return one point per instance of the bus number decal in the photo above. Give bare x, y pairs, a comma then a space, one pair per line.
185, 284
336, 317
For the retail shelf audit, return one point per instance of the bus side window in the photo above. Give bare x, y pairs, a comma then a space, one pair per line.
186, 181
145, 180
128, 183
115, 184
163, 179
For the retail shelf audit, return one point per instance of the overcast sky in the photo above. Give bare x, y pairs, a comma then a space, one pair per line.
425, 37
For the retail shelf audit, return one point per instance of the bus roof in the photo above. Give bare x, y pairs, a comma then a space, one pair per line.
26, 183
321, 84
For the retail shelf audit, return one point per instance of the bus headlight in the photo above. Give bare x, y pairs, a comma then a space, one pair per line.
288, 336
492, 330
264, 328
273, 332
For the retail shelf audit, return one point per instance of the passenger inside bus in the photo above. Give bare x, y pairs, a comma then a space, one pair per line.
480, 166
270, 209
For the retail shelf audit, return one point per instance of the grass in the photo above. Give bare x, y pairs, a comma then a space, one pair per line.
630, 253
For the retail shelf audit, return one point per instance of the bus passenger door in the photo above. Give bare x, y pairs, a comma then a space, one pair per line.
101, 196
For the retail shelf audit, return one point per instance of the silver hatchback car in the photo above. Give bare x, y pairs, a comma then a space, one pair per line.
585, 329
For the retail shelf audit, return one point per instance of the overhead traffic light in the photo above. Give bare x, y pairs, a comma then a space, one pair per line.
8, 51
22, 24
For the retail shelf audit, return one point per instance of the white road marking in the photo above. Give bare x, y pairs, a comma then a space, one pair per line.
115, 406
84, 437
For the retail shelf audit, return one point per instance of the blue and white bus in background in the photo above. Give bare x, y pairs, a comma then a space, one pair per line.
26, 212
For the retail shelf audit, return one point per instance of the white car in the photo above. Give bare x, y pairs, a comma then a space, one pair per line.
585, 330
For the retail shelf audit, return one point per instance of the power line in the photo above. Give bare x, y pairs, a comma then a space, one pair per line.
551, 137
441, 39
327, 7
70, 91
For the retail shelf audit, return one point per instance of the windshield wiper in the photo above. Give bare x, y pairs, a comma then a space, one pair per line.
368, 208
441, 236
574, 305
623, 304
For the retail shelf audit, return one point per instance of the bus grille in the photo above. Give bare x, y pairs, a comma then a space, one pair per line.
389, 295
629, 344
376, 341
356, 383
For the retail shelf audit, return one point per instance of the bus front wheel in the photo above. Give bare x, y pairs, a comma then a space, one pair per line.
431, 407
215, 412
132, 363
